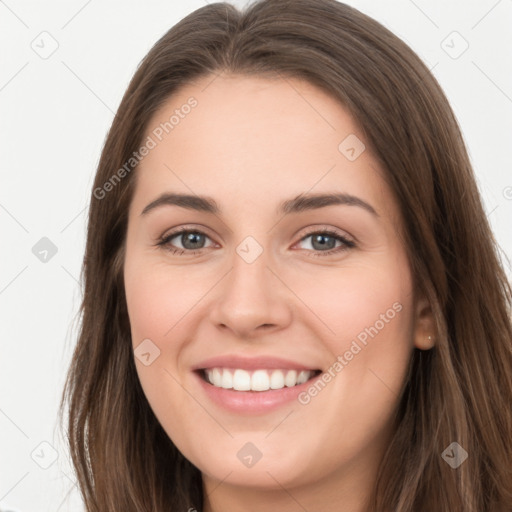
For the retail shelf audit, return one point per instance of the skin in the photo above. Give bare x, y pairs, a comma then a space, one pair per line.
251, 143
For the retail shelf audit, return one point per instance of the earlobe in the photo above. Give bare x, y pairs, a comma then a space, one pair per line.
424, 329
425, 344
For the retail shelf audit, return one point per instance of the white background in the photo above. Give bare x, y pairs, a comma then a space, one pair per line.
55, 114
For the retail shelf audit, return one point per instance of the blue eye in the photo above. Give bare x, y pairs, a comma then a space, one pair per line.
193, 237
319, 238
187, 236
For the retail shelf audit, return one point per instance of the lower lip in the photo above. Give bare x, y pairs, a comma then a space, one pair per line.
253, 402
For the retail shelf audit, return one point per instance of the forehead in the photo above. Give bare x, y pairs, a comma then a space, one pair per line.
248, 139
269, 117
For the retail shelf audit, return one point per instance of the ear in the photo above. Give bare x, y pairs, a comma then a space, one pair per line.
424, 333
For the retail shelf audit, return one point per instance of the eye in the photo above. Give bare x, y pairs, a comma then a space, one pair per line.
326, 239
192, 241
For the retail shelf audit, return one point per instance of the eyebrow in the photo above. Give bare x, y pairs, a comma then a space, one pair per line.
301, 203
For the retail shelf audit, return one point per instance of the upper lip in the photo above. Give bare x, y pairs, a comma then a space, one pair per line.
251, 363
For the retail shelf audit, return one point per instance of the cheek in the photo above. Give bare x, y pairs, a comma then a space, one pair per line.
366, 316
358, 302
156, 303
163, 302
157, 299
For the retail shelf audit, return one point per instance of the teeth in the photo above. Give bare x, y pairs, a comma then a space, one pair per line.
302, 377
258, 380
277, 380
241, 380
226, 379
291, 378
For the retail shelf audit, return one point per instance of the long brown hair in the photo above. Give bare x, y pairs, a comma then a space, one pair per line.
460, 391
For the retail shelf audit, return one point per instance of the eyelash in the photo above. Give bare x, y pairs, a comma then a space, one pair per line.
347, 244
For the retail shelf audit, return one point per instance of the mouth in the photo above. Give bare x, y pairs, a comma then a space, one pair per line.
258, 380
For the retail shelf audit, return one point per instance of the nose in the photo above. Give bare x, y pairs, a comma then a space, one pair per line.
251, 299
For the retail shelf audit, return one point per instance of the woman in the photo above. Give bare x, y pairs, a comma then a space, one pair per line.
340, 339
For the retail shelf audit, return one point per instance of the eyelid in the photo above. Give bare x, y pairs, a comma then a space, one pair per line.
185, 227
322, 228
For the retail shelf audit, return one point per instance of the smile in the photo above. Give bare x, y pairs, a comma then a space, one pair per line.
258, 380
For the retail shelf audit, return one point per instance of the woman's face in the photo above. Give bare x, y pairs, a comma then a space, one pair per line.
256, 297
